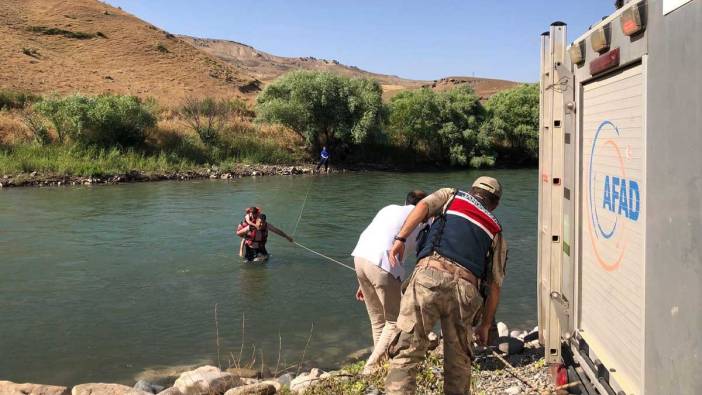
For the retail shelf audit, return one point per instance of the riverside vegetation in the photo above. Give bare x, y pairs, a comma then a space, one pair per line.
292, 118
526, 373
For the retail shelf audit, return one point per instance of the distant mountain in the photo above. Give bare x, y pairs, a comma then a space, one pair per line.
266, 67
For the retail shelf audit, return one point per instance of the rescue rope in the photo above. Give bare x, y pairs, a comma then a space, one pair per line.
326, 257
302, 209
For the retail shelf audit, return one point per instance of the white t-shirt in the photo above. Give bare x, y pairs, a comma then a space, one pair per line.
379, 236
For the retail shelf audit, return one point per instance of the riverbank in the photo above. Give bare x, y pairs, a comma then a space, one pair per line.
527, 373
35, 179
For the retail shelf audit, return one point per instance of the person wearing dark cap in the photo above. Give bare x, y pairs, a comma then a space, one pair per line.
464, 248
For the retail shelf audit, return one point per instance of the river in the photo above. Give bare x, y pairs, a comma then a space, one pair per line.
101, 283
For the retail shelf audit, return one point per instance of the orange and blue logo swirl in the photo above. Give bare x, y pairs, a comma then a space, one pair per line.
613, 197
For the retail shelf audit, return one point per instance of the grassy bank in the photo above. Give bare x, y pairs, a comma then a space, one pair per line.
104, 135
82, 161
108, 135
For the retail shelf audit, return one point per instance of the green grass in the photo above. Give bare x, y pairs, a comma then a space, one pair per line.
79, 161
89, 161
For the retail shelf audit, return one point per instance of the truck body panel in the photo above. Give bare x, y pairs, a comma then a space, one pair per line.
621, 201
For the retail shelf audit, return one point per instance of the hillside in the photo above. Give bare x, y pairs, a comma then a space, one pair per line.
267, 67
67, 46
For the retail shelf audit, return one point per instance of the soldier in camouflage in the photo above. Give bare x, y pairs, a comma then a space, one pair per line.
464, 248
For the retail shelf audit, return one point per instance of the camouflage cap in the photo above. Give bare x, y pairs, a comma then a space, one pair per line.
489, 184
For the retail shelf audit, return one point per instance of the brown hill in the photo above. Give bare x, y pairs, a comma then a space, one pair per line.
484, 87
267, 67
67, 46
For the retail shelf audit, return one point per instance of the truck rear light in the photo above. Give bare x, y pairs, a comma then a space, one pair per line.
605, 62
599, 39
630, 21
576, 52
561, 376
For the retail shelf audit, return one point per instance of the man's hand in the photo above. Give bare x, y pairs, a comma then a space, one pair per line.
359, 295
396, 252
481, 333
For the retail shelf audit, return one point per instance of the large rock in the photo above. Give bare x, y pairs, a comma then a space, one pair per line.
510, 345
171, 391
245, 373
206, 380
304, 380
502, 329
145, 386
10, 388
278, 387
433, 340
285, 379
105, 389
253, 389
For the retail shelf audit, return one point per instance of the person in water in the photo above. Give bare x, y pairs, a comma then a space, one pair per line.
255, 238
249, 222
379, 283
324, 159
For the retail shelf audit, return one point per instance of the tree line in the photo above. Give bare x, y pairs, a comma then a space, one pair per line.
298, 113
448, 128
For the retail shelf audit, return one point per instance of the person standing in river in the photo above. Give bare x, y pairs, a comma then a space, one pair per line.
379, 283
256, 236
323, 159
464, 246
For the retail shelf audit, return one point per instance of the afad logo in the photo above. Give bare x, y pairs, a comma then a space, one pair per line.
614, 198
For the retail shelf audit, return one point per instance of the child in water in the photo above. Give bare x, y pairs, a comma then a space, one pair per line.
251, 223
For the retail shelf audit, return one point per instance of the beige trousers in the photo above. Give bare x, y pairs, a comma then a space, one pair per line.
381, 293
432, 296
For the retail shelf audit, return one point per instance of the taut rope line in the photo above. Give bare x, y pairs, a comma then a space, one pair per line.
302, 209
326, 257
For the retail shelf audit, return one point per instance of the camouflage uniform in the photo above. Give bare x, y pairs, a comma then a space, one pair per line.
432, 295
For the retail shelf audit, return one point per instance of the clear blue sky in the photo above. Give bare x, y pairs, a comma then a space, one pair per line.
410, 38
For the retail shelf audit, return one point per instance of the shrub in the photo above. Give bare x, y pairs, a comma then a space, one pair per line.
106, 120
53, 31
323, 108
162, 48
30, 52
11, 99
206, 117
35, 123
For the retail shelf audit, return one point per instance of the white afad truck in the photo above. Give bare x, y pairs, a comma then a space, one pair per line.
620, 201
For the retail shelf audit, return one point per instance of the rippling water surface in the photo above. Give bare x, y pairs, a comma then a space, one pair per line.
102, 283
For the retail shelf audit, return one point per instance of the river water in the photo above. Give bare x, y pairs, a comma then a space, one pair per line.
102, 283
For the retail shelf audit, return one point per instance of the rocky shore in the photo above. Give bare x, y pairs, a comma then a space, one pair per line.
237, 171
527, 374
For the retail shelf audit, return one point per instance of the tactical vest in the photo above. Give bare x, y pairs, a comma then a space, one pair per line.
463, 233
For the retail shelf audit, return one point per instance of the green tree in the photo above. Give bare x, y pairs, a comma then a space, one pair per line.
323, 108
511, 129
445, 124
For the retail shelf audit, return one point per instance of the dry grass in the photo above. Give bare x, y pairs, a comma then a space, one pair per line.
12, 129
124, 58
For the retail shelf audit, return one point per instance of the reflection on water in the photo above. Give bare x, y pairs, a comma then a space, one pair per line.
99, 284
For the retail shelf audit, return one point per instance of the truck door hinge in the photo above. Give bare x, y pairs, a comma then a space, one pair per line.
560, 299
